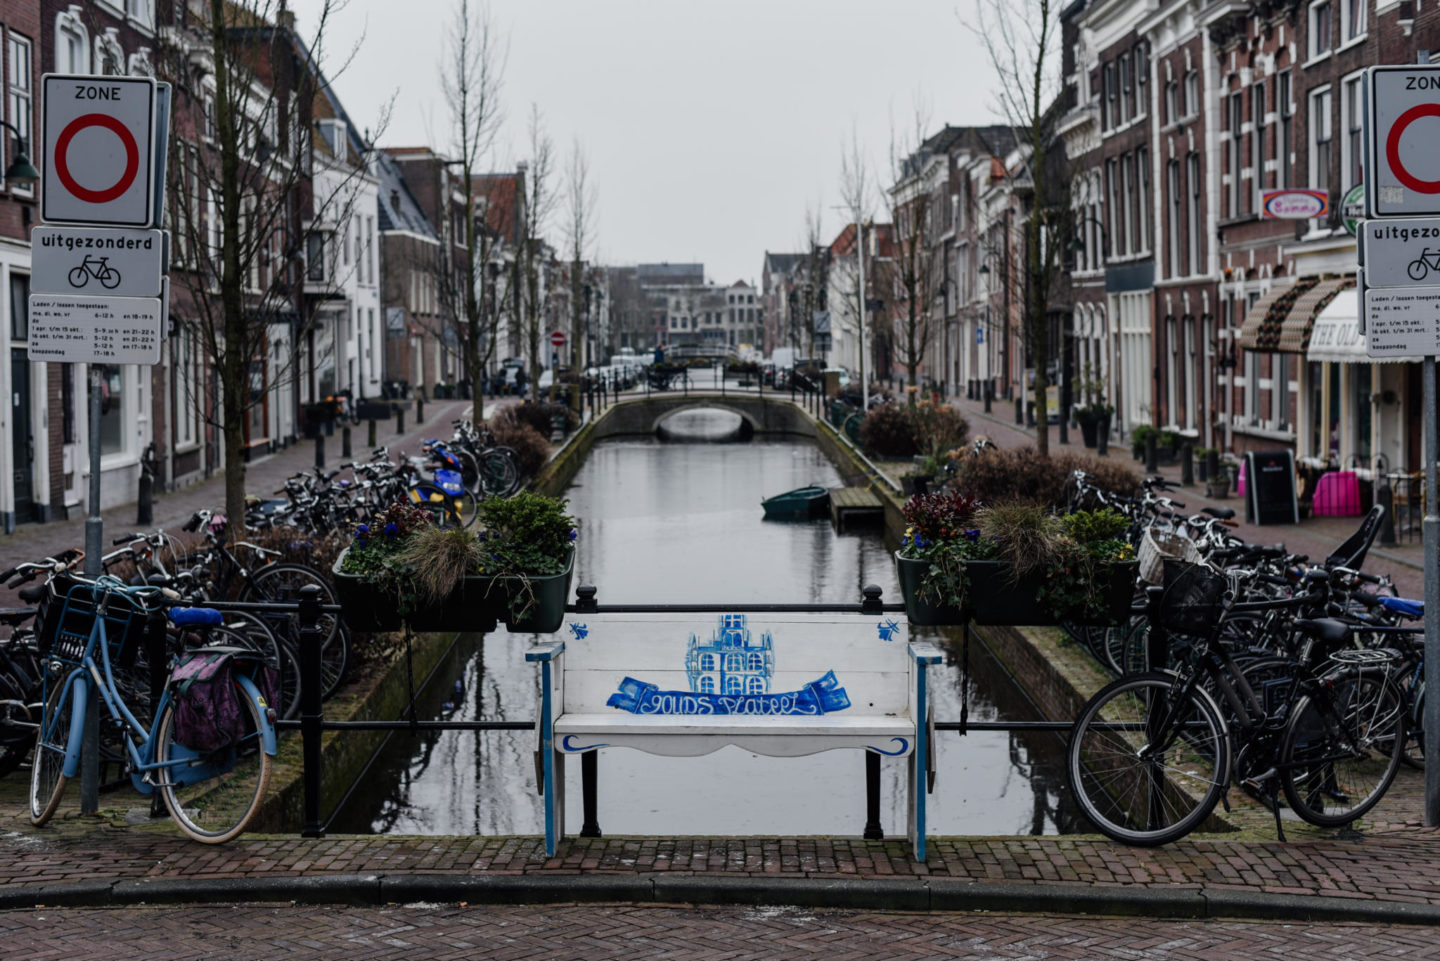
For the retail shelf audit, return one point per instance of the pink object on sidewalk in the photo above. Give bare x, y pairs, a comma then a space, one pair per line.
1337, 494
1240, 483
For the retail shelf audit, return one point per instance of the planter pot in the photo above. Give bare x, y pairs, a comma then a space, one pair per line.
478, 604
1089, 429
1218, 488
995, 599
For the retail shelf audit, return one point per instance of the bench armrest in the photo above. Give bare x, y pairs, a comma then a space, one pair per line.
546, 652
923, 652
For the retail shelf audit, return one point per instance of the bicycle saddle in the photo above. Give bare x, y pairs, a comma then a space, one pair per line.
1219, 513
1325, 629
1403, 605
32, 594
15, 616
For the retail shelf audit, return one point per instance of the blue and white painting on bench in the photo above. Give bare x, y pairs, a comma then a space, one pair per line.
730, 673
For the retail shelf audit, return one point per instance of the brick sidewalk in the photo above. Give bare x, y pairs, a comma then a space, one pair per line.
1315, 536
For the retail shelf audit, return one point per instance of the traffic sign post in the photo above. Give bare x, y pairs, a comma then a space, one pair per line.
98, 294
1400, 301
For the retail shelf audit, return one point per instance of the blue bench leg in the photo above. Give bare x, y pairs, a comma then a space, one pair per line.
918, 765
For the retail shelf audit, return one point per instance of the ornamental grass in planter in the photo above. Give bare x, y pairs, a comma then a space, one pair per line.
515, 568
1015, 562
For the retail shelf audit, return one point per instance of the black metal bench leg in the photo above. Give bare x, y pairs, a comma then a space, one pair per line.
588, 767
873, 831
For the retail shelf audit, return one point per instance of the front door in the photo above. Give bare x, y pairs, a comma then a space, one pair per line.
23, 442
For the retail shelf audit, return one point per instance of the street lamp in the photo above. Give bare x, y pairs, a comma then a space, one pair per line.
20, 172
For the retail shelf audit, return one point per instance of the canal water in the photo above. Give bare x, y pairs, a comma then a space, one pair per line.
677, 522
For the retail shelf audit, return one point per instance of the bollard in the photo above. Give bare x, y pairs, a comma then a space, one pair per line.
399, 420
1152, 454
1102, 438
145, 504
370, 438
345, 442
319, 451
1385, 497
1030, 415
1187, 464
1212, 464
419, 410
989, 394
312, 636
1019, 409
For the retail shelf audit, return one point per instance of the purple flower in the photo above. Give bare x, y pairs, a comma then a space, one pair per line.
574, 533
390, 531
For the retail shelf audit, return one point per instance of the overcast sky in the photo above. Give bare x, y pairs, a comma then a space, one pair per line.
710, 125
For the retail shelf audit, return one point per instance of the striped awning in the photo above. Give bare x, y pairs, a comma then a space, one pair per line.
1295, 329
1261, 328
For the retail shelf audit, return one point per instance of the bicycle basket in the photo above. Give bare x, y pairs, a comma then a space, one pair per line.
64, 632
1193, 599
1158, 546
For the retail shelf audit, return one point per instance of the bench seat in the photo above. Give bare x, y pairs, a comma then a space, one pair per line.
771, 735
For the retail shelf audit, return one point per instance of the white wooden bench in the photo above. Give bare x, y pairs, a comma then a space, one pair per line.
778, 684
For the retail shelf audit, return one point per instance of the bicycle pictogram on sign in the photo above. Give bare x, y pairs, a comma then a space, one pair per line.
97, 267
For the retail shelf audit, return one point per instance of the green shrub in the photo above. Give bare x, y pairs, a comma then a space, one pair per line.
888, 431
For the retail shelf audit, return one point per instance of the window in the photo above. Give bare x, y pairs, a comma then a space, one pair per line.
1353, 111
1172, 100
370, 246
1127, 90
1112, 203
1257, 144
1252, 386
757, 661
1232, 151
1192, 212
187, 393
707, 685
1284, 146
112, 413
109, 58
1127, 210
1280, 391
18, 104
732, 684
754, 685
1142, 206
1352, 27
315, 257
1320, 28
1172, 184
1108, 106
1321, 134
72, 45
19, 307
1142, 79
1192, 93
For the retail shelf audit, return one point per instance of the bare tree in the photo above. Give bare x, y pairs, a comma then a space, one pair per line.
537, 207
472, 74
579, 231
241, 186
1021, 38
855, 196
917, 269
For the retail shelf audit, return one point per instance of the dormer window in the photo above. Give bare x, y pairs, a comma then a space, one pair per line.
334, 133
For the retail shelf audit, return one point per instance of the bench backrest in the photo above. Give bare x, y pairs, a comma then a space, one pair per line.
738, 664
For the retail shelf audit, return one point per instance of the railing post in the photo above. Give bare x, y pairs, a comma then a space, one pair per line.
311, 687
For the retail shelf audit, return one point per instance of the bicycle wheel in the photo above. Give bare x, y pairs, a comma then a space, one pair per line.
17, 725
283, 582
1342, 748
59, 735
498, 474
1146, 768
431, 498
466, 509
212, 795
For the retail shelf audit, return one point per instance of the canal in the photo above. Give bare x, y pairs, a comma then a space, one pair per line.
664, 522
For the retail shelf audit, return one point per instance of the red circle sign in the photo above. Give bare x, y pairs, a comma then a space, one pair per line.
132, 158
558, 338
1392, 148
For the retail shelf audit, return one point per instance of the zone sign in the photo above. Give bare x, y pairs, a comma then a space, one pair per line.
97, 165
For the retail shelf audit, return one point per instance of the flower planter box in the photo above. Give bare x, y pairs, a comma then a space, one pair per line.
478, 604
995, 599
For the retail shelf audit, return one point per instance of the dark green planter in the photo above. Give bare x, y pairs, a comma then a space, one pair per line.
478, 604
995, 599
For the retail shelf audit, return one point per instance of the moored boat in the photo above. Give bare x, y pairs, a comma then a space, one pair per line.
802, 502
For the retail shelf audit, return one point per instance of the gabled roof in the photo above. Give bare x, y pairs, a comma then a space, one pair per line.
398, 208
500, 193
782, 263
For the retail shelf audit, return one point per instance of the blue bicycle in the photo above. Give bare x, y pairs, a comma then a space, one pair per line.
92, 628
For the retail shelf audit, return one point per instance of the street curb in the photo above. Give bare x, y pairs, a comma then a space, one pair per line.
856, 894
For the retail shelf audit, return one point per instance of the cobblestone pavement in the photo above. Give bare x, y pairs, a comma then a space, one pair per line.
597, 932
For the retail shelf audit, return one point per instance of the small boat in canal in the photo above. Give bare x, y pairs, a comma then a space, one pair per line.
801, 503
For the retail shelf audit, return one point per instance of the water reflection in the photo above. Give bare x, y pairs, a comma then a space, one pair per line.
682, 523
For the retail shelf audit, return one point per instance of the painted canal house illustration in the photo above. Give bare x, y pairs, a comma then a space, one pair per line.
730, 673
730, 662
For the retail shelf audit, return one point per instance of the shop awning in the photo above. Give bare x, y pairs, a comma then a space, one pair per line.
1295, 329
1261, 327
1336, 334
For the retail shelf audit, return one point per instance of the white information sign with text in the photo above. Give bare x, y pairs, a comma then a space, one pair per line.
97, 260
68, 328
1402, 322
